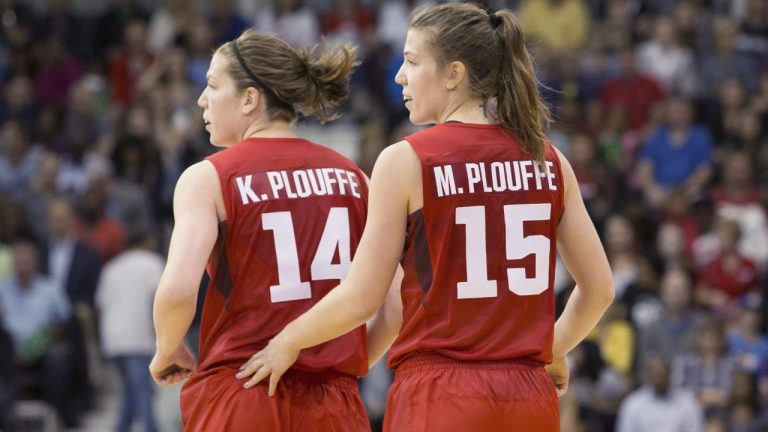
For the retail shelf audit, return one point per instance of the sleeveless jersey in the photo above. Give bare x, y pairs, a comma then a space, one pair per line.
479, 256
295, 214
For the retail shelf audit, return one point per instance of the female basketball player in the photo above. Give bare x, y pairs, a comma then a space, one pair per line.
276, 219
474, 208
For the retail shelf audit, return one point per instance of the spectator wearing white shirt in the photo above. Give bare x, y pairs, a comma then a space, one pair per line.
656, 407
124, 298
664, 59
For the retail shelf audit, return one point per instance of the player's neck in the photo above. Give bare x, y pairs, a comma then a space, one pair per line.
272, 129
470, 111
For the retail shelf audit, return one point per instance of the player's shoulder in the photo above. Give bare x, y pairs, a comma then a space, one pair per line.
398, 154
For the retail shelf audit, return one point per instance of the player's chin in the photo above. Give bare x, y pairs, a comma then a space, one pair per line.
417, 119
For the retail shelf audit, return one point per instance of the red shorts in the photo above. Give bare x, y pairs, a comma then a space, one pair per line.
435, 393
304, 401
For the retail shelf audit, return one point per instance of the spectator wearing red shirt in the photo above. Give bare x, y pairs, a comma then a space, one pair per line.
348, 14
739, 198
127, 65
634, 92
729, 276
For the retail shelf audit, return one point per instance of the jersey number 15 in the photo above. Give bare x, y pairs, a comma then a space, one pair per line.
518, 246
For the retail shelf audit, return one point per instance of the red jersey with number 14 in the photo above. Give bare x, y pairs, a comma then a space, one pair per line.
295, 214
479, 256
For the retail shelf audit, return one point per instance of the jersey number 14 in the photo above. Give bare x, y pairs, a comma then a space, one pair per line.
335, 236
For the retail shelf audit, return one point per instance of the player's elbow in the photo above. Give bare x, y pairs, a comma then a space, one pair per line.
366, 310
598, 290
173, 294
603, 292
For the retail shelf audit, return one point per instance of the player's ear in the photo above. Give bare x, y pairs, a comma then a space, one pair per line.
456, 72
250, 100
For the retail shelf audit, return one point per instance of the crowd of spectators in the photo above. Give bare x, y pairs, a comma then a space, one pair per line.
660, 105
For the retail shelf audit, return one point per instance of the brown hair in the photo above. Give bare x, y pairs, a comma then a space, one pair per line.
290, 79
492, 48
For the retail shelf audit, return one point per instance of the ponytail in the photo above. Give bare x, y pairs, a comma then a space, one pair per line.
327, 81
519, 107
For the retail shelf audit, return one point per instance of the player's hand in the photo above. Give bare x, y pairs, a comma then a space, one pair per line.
168, 370
559, 373
270, 362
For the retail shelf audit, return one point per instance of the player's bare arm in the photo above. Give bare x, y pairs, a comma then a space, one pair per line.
583, 254
385, 325
194, 234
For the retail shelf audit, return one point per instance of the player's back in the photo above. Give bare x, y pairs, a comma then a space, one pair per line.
295, 214
480, 254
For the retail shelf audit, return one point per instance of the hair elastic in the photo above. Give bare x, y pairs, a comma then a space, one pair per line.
495, 19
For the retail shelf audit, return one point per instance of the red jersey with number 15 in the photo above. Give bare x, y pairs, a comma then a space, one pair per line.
479, 256
295, 214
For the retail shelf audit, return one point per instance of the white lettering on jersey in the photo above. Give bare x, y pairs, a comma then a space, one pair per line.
297, 184
496, 176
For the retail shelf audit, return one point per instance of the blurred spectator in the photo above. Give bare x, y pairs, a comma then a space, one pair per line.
124, 299
621, 247
724, 280
348, 22
664, 59
599, 388
94, 227
110, 26
673, 332
393, 18
752, 137
659, 406
226, 22
87, 114
134, 193
677, 209
18, 101
672, 248
744, 404
708, 371
737, 197
617, 340
34, 312
754, 32
57, 72
74, 267
693, 22
19, 159
746, 342
677, 155
19, 27
199, 41
618, 143
80, 165
291, 21
70, 263
169, 20
631, 91
561, 25
128, 63
60, 22
724, 61
724, 112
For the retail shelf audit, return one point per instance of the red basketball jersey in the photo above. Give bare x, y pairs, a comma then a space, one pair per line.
479, 256
295, 214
